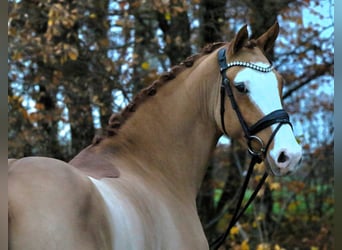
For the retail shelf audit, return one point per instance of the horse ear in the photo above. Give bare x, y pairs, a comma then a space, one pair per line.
266, 40
239, 40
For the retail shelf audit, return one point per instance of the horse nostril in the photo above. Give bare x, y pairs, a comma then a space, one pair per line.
282, 158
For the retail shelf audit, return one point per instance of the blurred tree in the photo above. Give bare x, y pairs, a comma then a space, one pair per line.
101, 82
145, 43
212, 20
174, 22
26, 32
19, 127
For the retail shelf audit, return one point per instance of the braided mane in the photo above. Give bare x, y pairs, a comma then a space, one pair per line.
117, 120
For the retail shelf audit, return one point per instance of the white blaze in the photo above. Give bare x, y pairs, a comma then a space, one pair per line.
263, 92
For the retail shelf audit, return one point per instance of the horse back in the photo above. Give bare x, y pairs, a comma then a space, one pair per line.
54, 204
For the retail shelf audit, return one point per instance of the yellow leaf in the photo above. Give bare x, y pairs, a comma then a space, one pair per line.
314, 248
93, 15
145, 65
95, 99
263, 246
12, 31
244, 245
39, 106
50, 22
104, 42
17, 99
17, 56
55, 31
66, 46
277, 247
260, 217
167, 16
234, 230
73, 54
275, 186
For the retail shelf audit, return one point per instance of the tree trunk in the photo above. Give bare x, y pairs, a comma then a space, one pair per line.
212, 19
176, 28
144, 19
263, 15
102, 86
48, 125
80, 114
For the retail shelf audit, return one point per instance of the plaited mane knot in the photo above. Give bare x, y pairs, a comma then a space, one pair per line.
131, 107
177, 69
116, 121
211, 47
208, 49
188, 62
97, 139
151, 91
166, 76
114, 124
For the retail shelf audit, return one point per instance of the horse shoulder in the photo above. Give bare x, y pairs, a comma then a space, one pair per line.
49, 198
94, 164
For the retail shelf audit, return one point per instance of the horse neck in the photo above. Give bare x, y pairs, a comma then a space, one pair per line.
172, 134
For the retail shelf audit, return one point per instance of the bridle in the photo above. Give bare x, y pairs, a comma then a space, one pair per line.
258, 154
278, 116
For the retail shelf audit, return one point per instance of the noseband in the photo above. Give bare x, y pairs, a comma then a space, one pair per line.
258, 154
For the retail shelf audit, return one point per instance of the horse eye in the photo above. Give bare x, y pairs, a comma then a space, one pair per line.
241, 87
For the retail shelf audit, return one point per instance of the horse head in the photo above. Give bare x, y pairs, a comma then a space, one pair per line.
251, 102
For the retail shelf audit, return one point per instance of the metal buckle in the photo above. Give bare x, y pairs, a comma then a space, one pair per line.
253, 149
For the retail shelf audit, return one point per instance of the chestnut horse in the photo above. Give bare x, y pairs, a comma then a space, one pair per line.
136, 186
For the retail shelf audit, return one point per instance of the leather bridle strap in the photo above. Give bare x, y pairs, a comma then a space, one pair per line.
239, 212
278, 116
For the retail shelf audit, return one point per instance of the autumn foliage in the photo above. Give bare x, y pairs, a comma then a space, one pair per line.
71, 64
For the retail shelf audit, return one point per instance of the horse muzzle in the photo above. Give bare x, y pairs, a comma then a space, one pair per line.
287, 159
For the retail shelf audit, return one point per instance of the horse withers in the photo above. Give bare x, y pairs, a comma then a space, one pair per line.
135, 188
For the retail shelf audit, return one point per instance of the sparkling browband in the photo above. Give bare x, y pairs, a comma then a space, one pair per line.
250, 65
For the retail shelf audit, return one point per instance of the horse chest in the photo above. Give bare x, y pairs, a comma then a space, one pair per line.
141, 221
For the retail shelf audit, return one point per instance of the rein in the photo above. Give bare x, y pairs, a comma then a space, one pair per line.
258, 154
